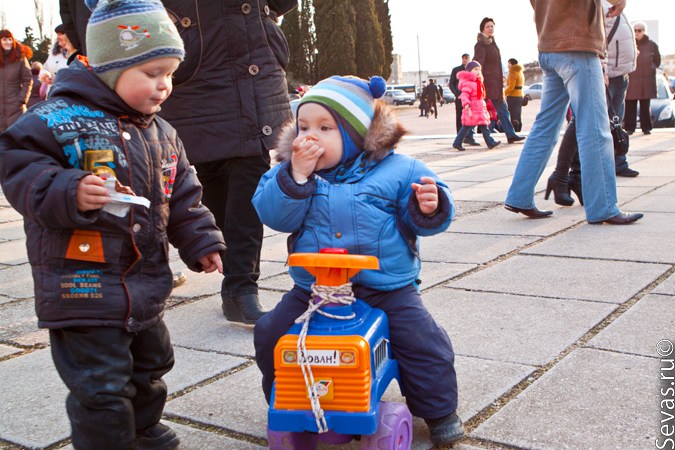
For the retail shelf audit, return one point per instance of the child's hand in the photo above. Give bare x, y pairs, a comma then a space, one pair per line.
306, 152
91, 194
211, 262
427, 195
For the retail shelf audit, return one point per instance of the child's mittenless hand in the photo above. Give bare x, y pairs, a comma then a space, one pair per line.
306, 153
91, 194
427, 195
211, 262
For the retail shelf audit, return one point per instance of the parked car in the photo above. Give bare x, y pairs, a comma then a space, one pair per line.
398, 97
533, 91
663, 106
448, 96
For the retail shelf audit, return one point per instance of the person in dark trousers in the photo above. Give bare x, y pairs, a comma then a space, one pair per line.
642, 81
454, 87
104, 185
431, 96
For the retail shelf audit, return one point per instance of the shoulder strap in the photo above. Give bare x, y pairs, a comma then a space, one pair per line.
614, 28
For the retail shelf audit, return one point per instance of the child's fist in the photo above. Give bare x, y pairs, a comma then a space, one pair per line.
427, 195
211, 262
91, 194
306, 153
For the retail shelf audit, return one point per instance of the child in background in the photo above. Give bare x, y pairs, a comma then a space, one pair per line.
340, 184
100, 268
474, 110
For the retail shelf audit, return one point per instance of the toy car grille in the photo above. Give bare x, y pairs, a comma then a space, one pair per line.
380, 354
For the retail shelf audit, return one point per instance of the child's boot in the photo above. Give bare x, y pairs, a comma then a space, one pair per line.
156, 437
446, 430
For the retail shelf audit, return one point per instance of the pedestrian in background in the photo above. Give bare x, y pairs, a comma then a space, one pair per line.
487, 54
101, 272
57, 59
454, 87
514, 93
16, 80
642, 82
571, 43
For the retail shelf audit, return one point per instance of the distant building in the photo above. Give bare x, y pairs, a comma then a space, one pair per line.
396, 76
668, 64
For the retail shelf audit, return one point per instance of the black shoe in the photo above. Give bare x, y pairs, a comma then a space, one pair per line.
630, 133
561, 191
511, 140
446, 430
178, 279
244, 308
459, 147
494, 144
532, 213
627, 172
156, 437
471, 142
621, 219
647, 132
575, 186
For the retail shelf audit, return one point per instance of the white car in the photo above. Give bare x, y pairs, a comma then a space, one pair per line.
533, 91
398, 97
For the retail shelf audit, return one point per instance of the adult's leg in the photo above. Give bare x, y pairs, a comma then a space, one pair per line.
271, 327
630, 118
423, 351
515, 106
96, 365
543, 136
152, 358
566, 153
504, 118
645, 115
616, 96
583, 77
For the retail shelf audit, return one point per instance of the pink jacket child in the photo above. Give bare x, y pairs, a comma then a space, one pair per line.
474, 109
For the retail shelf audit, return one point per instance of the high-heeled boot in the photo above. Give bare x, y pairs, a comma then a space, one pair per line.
575, 186
243, 308
561, 191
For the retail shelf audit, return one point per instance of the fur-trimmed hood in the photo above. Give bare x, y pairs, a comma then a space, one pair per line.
385, 133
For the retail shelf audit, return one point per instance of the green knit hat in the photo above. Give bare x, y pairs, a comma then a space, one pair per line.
125, 33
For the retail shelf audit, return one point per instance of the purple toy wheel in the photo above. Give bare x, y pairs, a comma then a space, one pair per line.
394, 430
286, 440
331, 437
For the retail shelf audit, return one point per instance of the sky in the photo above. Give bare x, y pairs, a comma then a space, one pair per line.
445, 28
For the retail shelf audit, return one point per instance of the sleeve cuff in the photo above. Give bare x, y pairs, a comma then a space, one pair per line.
439, 217
290, 187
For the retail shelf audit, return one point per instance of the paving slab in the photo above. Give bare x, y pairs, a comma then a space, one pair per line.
499, 221
629, 334
31, 384
16, 282
512, 328
648, 240
434, 273
16, 319
11, 231
659, 200
567, 278
470, 248
591, 399
13, 253
6, 350
9, 214
275, 248
666, 287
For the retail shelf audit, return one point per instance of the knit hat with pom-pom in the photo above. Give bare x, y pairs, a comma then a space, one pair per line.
471, 65
125, 33
350, 99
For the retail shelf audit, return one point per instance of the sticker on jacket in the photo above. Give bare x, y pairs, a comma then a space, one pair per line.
169, 168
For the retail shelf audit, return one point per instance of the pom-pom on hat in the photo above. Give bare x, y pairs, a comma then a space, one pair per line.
471, 64
125, 33
351, 98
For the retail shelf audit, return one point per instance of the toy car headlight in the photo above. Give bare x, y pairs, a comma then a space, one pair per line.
289, 356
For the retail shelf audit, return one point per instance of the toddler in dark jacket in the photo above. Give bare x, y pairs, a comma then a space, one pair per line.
104, 186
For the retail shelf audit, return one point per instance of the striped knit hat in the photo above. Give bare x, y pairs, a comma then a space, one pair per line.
125, 33
351, 100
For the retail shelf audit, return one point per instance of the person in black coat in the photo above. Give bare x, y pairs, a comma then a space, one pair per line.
454, 87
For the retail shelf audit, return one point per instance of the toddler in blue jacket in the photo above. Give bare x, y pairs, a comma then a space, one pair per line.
340, 184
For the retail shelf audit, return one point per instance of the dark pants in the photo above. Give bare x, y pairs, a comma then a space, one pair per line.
515, 107
422, 348
115, 381
630, 118
229, 185
616, 95
466, 130
568, 155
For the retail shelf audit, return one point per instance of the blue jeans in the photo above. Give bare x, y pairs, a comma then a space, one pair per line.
617, 94
504, 118
468, 131
575, 77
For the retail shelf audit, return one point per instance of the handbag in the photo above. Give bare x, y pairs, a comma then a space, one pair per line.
619, 136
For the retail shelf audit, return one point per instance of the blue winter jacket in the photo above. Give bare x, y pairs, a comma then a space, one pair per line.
369, 209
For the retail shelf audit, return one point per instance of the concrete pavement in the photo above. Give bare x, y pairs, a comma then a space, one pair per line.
555, 322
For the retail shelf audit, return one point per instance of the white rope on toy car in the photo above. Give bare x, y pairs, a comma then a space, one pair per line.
328, 294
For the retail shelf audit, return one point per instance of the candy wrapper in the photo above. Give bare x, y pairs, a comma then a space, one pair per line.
122, 198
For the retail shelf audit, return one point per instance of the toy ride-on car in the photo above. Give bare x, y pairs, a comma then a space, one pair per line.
334, 364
